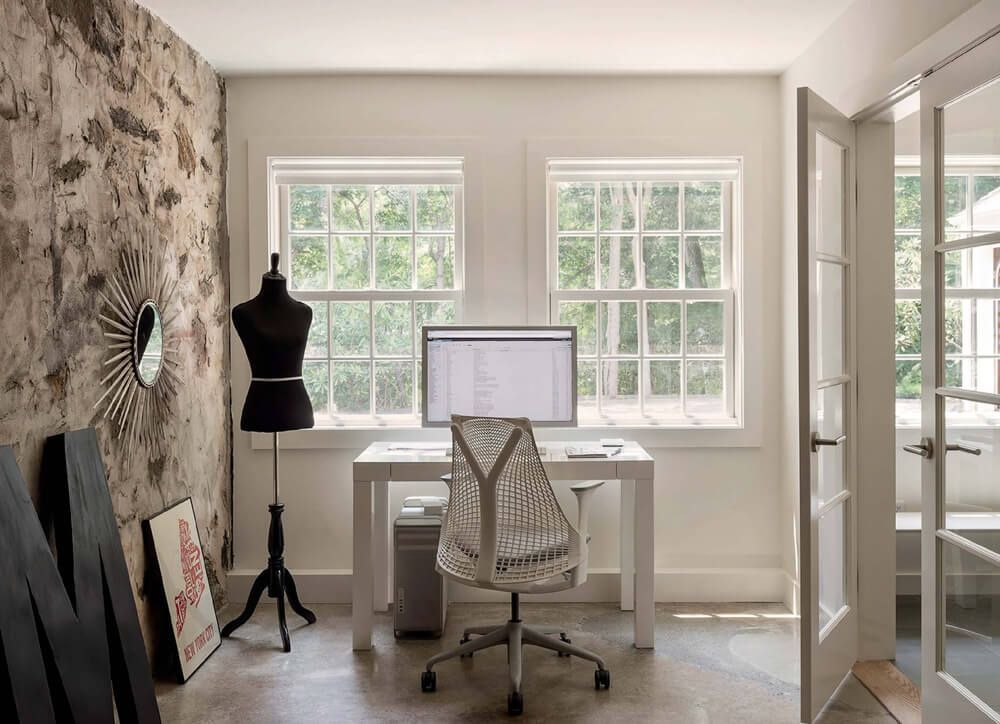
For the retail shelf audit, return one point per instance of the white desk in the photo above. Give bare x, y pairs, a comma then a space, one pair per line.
378, 465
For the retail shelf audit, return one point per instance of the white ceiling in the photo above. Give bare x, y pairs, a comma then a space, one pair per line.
242, 37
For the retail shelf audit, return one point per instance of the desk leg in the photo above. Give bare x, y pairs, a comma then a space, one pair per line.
361, 575
626, 548
644, 568
383, 584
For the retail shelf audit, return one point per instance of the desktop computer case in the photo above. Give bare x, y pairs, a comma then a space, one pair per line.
421, 593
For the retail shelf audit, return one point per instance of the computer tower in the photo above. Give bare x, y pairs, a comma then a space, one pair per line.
421, 593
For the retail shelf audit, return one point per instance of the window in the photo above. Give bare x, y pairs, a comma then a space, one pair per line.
641, 260
374, 246
972, 282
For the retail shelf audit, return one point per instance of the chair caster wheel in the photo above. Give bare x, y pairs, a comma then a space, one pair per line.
515, 704
465, 640
602, 679
566, 640
428, 680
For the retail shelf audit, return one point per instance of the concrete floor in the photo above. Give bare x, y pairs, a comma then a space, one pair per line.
707, 667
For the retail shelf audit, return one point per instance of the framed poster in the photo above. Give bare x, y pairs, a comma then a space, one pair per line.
193, 622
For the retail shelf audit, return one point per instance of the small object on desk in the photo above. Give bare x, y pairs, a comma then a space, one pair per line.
588, 451
612, 442
420, 446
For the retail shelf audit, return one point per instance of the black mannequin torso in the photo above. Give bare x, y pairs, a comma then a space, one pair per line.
274, 329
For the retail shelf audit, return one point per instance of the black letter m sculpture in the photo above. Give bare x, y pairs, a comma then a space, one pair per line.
69, 633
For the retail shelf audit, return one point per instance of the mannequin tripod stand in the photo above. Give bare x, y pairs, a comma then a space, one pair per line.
276, 579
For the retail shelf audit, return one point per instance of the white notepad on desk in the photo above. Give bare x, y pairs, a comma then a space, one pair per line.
588, 451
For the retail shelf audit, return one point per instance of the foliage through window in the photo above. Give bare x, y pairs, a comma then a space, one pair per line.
971, 280
642, 265
376, 262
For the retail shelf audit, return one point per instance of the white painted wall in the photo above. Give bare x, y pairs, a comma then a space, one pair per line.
720, 519
874, 47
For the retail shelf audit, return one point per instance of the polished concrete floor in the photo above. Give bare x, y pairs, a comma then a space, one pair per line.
712, 663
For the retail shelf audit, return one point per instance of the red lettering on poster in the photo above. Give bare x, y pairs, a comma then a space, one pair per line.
194, 578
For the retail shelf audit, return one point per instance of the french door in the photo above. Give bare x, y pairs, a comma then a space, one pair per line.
960, 555
827, 391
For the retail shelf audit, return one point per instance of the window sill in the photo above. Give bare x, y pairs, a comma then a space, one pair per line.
709, 434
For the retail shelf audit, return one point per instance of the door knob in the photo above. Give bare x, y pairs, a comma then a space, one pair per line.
924, 448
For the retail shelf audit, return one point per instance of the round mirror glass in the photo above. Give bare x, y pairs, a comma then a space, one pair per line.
147, 343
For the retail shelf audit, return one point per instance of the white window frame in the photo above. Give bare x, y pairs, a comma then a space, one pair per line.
264, 232
371, 295
660, 170
969, 167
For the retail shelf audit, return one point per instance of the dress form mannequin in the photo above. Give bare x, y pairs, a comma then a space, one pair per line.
274, 329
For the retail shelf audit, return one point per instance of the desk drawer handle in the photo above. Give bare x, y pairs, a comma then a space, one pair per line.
818, 441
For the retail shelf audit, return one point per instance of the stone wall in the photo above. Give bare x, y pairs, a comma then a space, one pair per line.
110, 122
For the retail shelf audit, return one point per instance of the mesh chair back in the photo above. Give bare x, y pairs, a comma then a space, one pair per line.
504, 524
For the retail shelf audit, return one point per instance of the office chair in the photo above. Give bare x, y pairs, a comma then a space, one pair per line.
504, 530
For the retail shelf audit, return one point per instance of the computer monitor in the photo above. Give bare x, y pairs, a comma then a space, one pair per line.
499, 372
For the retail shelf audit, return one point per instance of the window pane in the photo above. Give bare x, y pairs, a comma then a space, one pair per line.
393, 262
705, 388
830, 422
971, 623
620, 387
393, 335
907, 261
660, 206
619, 328
575, 204
435, 208
619, 200
970, 480
830, 319
351, 388
582, 315
393, 388
315, 376
350, 262
703, 259
986, 204
318, 344
907, 326
618, 262
705, 333
832, 546
576, 262
908, 202
434, 313
586, 387
307, 210
351, 331
663, 328
830, 192
435, 262
663, 388
908, 381
703, 206
309, 262
392, 208
956, 213
351, 208
977, 268
661, 259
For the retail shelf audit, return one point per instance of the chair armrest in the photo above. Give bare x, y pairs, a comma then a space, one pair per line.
584, 491
446, 478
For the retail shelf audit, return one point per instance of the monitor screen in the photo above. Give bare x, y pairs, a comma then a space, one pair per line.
499, 372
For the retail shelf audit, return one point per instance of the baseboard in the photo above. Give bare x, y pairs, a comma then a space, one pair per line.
675, 585
791, 592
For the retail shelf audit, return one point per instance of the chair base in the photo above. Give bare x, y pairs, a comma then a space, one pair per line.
515, 635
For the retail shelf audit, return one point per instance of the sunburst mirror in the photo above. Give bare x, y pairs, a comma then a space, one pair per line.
141, 369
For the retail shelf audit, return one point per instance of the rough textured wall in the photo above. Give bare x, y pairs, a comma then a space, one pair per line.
109, 121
